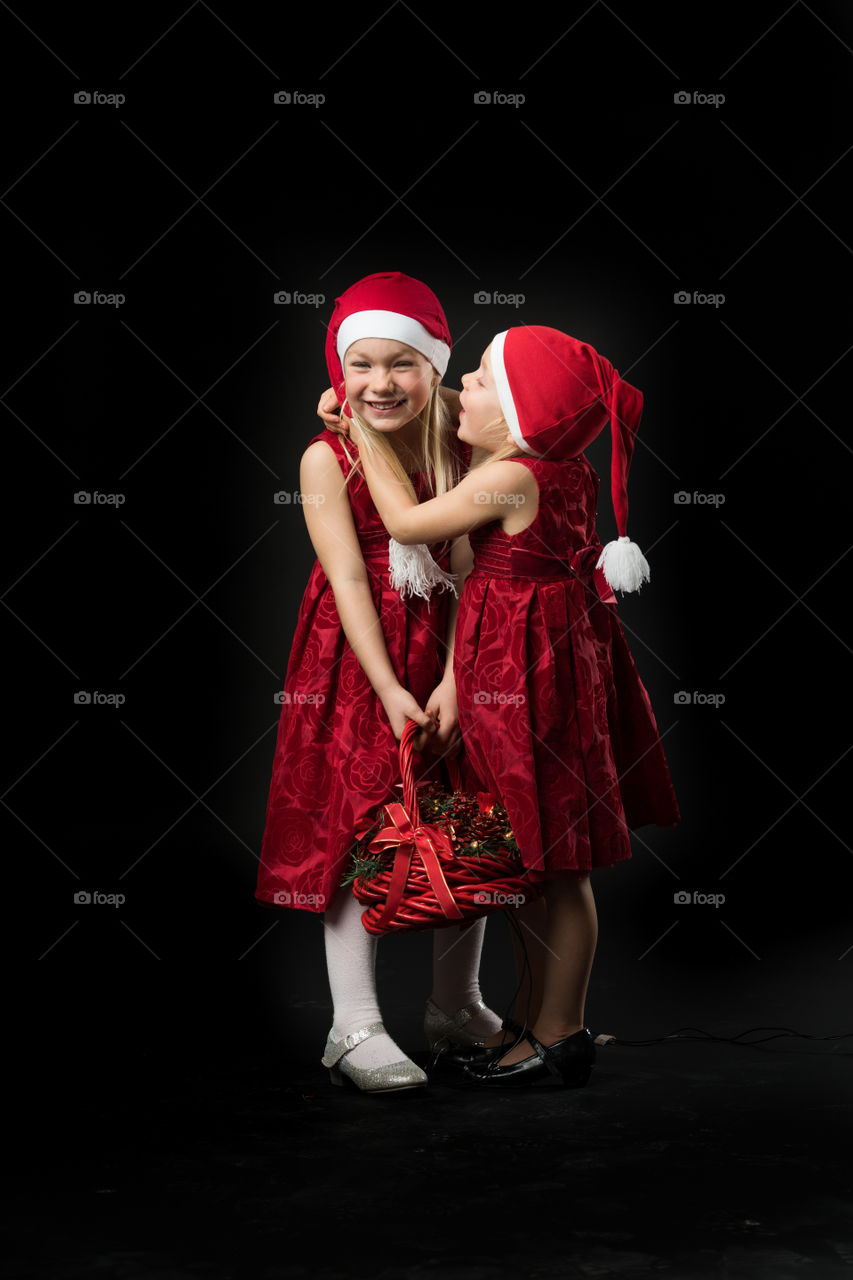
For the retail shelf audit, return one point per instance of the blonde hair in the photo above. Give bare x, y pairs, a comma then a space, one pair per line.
508, 450
443, 466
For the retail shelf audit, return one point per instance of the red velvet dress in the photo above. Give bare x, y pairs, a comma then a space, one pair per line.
336, 758
554, 716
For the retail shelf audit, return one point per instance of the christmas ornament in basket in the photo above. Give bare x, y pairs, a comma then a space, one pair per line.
439, 858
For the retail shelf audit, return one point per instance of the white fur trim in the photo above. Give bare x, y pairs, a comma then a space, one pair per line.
414, 572
392, 324
505, 395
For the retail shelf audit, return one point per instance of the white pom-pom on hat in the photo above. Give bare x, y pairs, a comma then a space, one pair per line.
625, 567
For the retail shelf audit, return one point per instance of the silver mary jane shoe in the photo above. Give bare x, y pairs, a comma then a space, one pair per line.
404, 1074
443, 1030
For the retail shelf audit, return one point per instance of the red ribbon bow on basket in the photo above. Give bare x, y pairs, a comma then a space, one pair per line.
448, 871
431, 843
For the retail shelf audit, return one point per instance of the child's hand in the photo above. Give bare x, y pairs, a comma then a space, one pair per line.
330, 411
400, 706
442, 706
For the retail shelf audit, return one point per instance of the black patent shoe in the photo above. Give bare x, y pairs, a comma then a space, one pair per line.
462, 1056
567, 1063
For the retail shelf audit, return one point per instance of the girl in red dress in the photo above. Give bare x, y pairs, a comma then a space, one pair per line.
554, 716
368, 656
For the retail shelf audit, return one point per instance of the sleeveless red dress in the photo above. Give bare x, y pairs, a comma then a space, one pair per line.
553, 714
336, 758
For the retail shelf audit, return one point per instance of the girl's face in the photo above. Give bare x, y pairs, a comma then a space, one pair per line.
480, 408
387, 382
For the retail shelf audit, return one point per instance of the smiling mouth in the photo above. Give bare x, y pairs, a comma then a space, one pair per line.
384, 406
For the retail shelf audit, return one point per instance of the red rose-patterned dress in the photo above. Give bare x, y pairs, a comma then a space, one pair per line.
554, 716
336, 758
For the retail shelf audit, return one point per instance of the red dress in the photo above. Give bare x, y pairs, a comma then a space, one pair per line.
336, 758
553, 714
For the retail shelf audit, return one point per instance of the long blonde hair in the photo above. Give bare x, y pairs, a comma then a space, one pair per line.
508, 450
443, 466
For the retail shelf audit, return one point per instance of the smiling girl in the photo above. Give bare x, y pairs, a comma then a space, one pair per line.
368, 655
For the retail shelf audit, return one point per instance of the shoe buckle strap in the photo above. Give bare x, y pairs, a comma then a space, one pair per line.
334, 1052
470, 1011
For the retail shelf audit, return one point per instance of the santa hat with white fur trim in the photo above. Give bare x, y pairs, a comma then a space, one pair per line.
557, 393
388, 304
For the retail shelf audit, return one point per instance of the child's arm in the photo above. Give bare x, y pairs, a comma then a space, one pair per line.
461, 564
328, 516
487, 494
442, 702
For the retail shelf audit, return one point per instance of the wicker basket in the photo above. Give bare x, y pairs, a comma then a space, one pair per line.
461, 864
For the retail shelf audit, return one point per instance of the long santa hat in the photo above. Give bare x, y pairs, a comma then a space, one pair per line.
557, 393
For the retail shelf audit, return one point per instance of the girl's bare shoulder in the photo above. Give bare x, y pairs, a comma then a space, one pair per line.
509, 475
328, 451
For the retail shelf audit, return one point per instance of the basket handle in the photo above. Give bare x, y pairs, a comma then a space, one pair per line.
410, 798
407, 770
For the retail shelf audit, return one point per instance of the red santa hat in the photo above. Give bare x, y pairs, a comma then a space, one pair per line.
557, 393
388, 304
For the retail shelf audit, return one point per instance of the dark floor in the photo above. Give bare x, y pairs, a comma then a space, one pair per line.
217, 1149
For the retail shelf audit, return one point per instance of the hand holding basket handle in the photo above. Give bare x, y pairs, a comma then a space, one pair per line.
460, 864
407, 772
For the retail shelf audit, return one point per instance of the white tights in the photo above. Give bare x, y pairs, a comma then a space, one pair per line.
351, 961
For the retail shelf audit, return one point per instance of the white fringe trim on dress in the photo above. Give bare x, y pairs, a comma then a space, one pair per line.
414, 572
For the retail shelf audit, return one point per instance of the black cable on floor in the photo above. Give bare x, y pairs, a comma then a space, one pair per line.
706, 1035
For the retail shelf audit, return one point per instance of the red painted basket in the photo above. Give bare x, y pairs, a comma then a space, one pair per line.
462, 864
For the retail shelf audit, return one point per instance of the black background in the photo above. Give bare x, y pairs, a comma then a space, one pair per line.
598, 199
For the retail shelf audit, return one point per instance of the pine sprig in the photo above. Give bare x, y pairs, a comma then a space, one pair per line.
472, 832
